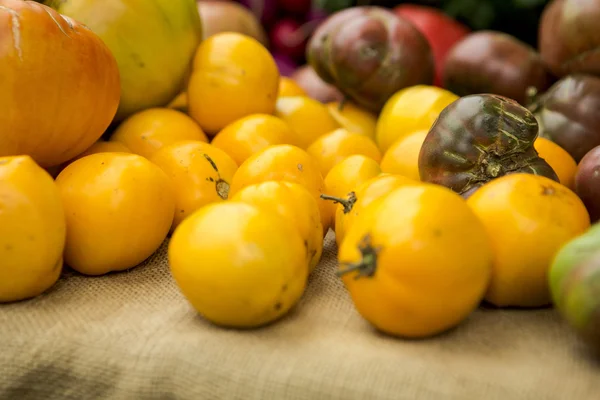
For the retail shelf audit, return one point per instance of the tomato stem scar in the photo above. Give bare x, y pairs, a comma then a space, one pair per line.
347, 203
367, 266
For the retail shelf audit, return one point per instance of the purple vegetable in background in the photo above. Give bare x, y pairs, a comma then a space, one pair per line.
286, 65
265, 10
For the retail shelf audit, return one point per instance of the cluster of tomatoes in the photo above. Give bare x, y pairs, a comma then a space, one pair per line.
248, 175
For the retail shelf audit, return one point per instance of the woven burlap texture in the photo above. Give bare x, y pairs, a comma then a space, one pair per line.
133, 336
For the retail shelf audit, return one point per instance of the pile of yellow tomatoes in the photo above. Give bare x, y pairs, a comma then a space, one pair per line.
247, 175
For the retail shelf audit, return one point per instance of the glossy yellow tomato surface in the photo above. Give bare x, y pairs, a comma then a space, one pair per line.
284, 163
339, 144
353, 118
238, 265
528, 218
119, 208
289, 87
417, 262
559, 159
147, 131
200, 173
408, 110
233, 76
296, 204
308, 118
32, 229
248, 135
402, 157
362, 196
346, 176
101, 146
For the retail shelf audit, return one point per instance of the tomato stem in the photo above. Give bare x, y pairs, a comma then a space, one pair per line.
367, 266
347, 203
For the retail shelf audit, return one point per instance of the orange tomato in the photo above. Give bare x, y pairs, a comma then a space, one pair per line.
528, 219
284, 162
345, 176
119, 208
294, 203
360, 198
402, 157
60, 84
559, 159
253, 133
179, 103
289, 87
307, 117
339, 144
201, 174
417, 262
353, 118
408, 110
147, 131
233, 76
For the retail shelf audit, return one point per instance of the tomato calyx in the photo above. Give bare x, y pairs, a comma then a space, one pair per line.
367, 266
347, 203
221, 186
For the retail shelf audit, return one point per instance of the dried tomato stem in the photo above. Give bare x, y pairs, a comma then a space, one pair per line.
347, 203
367, 265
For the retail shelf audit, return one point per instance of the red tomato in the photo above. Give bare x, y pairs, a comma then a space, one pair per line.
441, 31
289, 37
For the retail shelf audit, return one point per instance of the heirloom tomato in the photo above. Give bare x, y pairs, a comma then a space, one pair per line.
416, 262
238, 265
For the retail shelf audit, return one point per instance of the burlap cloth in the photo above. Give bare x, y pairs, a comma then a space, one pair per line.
133, 336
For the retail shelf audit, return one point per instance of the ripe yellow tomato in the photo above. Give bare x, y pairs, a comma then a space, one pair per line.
289, 87
238, 265
233, 76
307, 117
408, 110
361, 197
249, 135
417, 262
33, 229
284, 162
147, 131
528, 218
353, 118
119, 208
294, 203
402, 157
179, 103
200, 173
346, 176
559, 159
101, 146
339, 144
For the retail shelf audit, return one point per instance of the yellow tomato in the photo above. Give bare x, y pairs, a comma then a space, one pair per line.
119, 208
308, 118
33, 229
233, 76
353, 204
417, 262
559, 159
201, 174
408, 110
528, 218
289, 87
253, 133
402, 157
353, 118
238, 265
147, 131
294, 203
179, 103
339, 144
284, 163
346, 176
